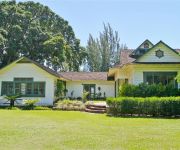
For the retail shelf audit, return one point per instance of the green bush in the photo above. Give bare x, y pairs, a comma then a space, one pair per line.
69, 105
153, 106
30, 103
41, 108
12, 108
145, 90
85, 96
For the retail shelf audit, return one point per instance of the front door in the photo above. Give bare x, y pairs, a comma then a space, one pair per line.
91, 89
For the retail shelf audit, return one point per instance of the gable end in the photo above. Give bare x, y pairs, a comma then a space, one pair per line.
160, 52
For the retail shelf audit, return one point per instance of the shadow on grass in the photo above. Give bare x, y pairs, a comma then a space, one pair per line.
144, 116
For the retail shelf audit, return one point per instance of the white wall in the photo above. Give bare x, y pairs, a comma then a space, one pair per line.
77, 87
29, 70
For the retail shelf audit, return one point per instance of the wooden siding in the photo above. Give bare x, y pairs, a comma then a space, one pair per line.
169, 55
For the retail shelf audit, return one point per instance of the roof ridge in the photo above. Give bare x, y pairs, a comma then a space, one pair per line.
76, 76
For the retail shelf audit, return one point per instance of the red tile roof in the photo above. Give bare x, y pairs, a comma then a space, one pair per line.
76, 76
177, 50
125, 58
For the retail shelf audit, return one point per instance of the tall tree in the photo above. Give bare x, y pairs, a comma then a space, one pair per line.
33, 30
104, 52
94, 55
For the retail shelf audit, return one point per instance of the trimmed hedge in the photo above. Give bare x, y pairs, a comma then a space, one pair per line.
151, 106
145, 90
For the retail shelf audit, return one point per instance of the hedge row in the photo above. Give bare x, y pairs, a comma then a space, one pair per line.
153, 106
145, 90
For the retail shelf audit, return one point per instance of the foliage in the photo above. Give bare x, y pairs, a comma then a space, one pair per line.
60, 88
85, 96
30, 103
12, 99
41, 108
104, 52
12, 108
35, 31
153, 106
69, 105
178, 78
145, 90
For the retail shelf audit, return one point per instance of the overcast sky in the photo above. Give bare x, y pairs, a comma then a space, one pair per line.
135, 20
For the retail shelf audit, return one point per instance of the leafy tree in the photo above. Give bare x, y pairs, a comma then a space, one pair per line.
29, 29
104, 52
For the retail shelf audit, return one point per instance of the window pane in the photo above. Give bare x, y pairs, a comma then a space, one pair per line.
17, 88
39, 88
149, 79
7, 88
156, 79
36, 88
160, 77
28, 88
23, 88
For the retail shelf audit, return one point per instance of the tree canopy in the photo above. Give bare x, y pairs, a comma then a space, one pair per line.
104, 51
33, 30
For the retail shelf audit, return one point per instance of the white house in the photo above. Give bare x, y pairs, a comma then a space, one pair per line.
93, 82
148, 63
35, 81
30, 79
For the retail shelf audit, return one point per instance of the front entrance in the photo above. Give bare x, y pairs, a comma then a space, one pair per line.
91, 88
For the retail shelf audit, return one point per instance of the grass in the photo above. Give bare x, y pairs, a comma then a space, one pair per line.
84, 131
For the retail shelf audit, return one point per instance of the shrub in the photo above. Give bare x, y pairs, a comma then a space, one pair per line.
12, 108
41, 108
60, 88
128, 90
30, 103
85, 96
145, 90
69, 105
153, 106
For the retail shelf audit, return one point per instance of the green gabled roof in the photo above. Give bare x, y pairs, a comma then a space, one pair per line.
136, 52
155, 46
145, 42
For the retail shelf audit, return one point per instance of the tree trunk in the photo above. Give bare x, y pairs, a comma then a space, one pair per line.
12, 103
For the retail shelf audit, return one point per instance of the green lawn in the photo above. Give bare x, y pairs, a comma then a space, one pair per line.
80, 130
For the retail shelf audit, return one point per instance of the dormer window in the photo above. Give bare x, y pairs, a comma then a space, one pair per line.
146, 45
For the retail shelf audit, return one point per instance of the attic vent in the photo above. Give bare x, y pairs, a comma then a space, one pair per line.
146, 45
159, 53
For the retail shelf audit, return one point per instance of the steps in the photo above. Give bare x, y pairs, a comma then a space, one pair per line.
96, 108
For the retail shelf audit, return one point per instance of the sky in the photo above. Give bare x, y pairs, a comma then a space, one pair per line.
135, 20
